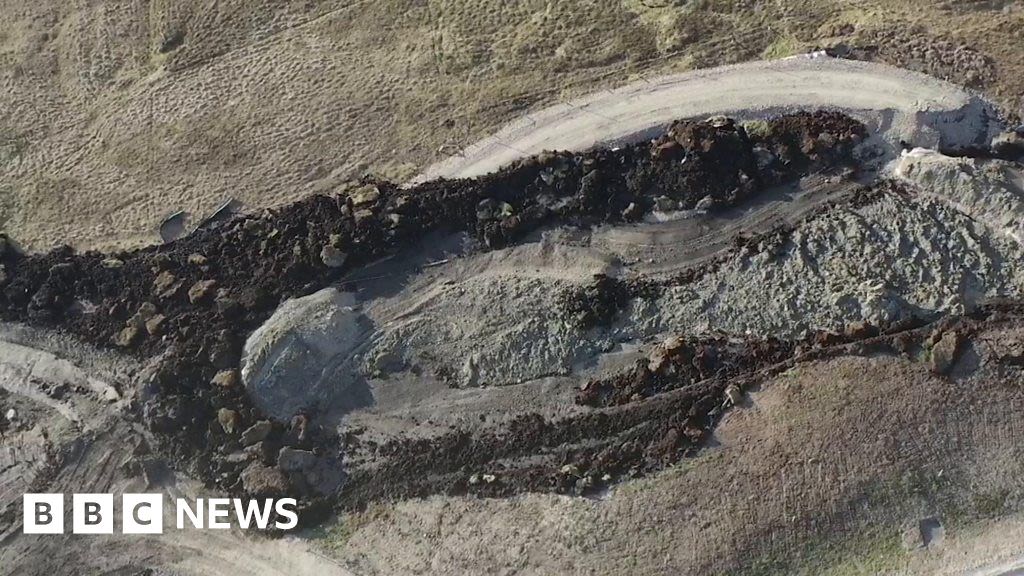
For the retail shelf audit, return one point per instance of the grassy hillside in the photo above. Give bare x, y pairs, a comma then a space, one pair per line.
115, 113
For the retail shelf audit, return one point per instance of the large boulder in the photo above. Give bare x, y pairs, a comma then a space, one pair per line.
298, 360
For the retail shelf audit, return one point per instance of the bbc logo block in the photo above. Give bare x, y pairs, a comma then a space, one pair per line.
93, 514
144, 513
44, 514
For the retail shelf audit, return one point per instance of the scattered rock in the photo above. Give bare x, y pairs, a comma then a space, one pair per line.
672, 344
228, 420
11, 415
860, 330
226, 378
733, 394
293, 460
163, 283
260, 479
146, 311
238, 457
657, 360
361, 216
299, 426
261, 450
200, 289
197, 259
155, 325
128, 336
706, 203
944, 352
570, 470
112, 263
491, 209
485, 209
720, 121
661, 356
665, 204
332, 257
109, 394
365, 195
256, 433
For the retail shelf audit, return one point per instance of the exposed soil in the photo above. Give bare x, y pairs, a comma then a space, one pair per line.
661, 412
827, 467
190, 304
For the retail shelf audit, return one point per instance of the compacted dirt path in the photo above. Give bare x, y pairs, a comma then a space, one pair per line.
915, 108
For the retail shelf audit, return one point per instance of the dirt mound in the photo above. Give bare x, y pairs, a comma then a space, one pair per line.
989, 191
192, 303
653, 415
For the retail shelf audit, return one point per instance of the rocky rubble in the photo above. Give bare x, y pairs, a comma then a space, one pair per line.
190, 305
679, 361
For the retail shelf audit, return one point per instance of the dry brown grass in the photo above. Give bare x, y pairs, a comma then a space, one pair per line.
101, 134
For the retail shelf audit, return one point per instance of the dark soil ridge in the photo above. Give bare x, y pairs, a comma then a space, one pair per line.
189, 305
647, 418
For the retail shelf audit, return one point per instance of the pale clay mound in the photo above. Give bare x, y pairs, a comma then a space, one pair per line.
295, 356
497, 318
991, 191
881, 262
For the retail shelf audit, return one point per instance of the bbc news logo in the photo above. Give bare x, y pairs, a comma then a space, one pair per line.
144, 513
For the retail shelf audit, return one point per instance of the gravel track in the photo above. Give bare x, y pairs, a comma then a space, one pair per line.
916, 108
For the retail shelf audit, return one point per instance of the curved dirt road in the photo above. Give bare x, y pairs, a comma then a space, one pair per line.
913, 107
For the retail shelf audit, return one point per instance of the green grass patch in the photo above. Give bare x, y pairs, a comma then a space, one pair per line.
757, 129
872, 550
334, 538
781, 47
